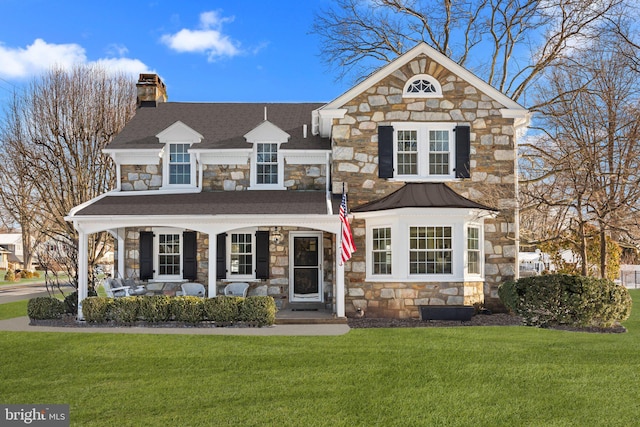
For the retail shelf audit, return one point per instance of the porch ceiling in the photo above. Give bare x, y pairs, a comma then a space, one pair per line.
211, 203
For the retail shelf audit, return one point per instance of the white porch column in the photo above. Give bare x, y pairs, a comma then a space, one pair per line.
83, 274
212, 265
122, 233
339, 280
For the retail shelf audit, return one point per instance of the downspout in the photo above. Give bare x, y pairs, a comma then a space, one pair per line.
200, 172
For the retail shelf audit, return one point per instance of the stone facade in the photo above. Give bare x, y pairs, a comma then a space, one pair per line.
492, 182
140, 177
277, 286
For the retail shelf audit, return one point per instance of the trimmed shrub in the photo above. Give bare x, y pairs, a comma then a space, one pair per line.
71, 301
188, 309
41, 308
155, 308
124, 310
222, 309
35, 275
10, 276
258, 311
560, 299
97, 309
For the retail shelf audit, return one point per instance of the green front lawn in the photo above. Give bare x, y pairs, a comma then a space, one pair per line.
25, 281
460, 376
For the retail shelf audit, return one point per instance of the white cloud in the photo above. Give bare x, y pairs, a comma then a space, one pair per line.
208, 39
38, 57
18, 63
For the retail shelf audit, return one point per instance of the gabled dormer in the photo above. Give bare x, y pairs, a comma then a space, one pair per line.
267, 164
178, 165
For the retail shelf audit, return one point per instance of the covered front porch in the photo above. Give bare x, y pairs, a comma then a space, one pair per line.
291, 257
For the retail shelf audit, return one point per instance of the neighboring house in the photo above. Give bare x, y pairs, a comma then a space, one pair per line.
250, 192
12, 242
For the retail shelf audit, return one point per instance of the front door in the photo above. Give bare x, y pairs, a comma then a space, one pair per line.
306, 272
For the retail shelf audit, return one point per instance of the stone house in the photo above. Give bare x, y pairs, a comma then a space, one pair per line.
225, 192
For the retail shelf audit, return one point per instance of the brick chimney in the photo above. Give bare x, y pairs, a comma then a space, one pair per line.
151, 90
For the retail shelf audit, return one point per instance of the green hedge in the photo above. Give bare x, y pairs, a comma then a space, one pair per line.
45, 308
561, 299
155, 308
223, 310
188, 309
258, 310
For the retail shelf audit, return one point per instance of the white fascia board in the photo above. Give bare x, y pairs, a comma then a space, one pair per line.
81, 206
325, 119
211, 224
409, 56
435, 214
521, 117
305, 157
179, 132
238, 156
135, 156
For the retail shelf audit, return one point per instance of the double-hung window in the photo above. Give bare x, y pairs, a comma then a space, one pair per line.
381, 250
424, 151
430, 250
267, 163
241, 255
179, 164
473, 250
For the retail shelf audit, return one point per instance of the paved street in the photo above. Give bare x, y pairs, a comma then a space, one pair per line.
12, 293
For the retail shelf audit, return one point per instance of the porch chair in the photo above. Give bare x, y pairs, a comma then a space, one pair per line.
238, 289
114, 289
194, 289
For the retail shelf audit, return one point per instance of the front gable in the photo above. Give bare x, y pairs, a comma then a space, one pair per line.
179, 132
267, 132
438, 63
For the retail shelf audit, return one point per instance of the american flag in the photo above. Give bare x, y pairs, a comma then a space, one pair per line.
348, 247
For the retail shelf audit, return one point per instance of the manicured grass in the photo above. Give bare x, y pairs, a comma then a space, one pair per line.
25, 281
461, 376
13, 309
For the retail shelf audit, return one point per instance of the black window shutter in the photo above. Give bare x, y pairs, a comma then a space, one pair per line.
463, 150
385, 151
146, 255
262, 254
221, 256
189, 256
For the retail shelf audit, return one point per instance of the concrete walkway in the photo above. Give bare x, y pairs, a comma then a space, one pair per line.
21, 324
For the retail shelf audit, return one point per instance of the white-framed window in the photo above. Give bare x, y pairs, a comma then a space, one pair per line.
430, 250
474, 266
241, 255
179, 164
267, 163
168, 254
424, 151
422, 245
381, 251
267, 167
179, 168
422, 86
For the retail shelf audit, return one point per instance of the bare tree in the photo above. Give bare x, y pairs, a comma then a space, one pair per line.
516, 39
52, 144
588, 156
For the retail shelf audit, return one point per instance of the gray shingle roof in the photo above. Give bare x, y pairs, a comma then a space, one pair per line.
222, 125
212, 203
421, 195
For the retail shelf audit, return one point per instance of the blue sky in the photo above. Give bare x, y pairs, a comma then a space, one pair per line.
211, 51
